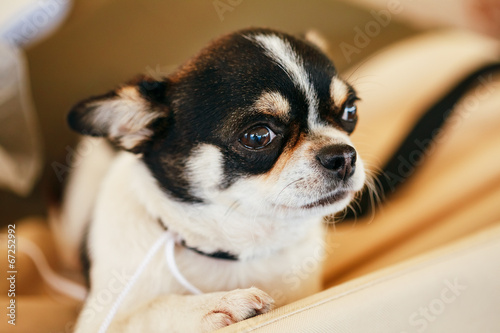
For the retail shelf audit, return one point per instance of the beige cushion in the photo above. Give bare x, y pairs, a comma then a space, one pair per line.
455, 289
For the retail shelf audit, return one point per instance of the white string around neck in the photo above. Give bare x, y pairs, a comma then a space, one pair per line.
167, 239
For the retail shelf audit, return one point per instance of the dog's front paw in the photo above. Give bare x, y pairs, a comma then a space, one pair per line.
237, 305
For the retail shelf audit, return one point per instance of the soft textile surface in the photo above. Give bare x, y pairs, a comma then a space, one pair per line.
454, 289
38, 308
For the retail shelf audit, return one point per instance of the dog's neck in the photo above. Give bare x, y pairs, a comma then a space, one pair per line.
223, 255
209, 228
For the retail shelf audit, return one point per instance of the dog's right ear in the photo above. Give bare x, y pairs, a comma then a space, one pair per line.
317, 39
124, 115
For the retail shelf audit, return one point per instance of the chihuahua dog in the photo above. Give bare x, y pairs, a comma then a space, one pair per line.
239, 153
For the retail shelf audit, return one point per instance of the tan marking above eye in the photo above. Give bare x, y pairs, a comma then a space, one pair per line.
338, 91
274, 103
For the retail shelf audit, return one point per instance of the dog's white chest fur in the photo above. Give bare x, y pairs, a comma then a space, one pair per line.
126, 221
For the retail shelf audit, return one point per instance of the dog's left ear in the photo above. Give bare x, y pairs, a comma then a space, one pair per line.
125, 115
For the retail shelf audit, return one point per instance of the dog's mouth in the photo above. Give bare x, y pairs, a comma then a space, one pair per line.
337, 197
328, 200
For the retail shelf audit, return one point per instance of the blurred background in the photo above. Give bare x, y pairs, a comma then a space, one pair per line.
64, 51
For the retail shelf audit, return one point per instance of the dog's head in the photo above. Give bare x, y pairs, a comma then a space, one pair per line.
257, 122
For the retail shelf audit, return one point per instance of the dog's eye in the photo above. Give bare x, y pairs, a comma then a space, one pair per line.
349, 115
257, 137
350, 109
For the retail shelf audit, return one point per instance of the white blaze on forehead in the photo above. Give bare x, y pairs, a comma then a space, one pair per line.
338, 91
281, 52
275, 104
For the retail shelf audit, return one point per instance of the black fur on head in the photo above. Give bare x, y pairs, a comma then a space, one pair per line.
212, 99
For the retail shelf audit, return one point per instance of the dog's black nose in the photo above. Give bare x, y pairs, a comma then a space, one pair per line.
341, 159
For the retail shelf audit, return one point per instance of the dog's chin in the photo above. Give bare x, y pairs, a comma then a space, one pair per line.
331, 203
328, 200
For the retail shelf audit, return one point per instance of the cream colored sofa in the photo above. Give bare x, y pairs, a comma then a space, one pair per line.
453, 289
